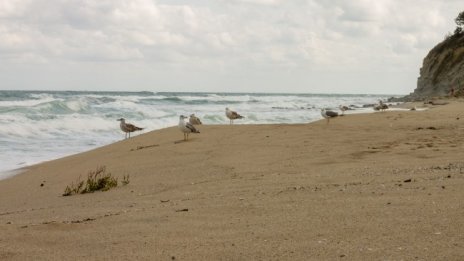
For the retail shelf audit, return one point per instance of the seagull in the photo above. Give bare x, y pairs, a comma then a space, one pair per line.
381, 106
186, 127
127, 127
328, 114
343, 108
194, 120
232, 115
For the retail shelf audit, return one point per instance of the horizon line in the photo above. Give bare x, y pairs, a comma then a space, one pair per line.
202, 92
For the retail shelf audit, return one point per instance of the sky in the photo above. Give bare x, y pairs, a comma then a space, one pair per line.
292, 46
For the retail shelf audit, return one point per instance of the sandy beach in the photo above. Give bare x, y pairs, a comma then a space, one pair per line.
380, 186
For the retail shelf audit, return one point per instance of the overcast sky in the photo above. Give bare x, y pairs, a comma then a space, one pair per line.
309, 46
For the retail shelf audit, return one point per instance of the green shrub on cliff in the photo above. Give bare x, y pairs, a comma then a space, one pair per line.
460, 19
460, 23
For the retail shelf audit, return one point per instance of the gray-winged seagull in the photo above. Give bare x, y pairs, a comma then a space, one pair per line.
232, 115
127, 127
194, 120
381, 106
328, 114
186, 127
343, 108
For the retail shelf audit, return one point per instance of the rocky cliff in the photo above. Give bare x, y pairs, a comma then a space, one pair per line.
442, 69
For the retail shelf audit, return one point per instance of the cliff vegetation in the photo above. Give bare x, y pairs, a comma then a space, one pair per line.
442, 72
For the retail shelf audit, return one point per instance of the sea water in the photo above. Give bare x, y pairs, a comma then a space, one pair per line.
38, 126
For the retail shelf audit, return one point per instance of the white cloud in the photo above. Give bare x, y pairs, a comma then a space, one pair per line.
260, 2
217, 37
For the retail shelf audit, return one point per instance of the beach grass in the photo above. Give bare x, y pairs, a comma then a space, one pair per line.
97, 180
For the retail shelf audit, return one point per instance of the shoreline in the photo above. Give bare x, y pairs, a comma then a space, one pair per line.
6, 173
365, 187
396, 106
65, 123
11, 173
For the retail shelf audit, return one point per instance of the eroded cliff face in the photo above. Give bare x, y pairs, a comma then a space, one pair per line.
442, 69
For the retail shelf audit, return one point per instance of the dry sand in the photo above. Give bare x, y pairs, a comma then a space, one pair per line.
381, 186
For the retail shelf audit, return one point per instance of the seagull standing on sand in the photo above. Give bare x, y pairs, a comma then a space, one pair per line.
328, 114
127, 127
232, 115
381, 106
194, 120
186, 127
343, 109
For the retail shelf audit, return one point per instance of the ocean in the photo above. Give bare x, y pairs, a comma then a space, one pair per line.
38, 126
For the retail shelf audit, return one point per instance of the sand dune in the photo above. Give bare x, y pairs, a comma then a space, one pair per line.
381, 186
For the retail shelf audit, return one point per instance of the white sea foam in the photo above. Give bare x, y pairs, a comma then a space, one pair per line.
40, 126
25, 103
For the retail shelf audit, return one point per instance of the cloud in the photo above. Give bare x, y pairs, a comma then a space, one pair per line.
239, 36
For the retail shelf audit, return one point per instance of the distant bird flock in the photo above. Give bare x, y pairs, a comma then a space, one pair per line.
189, 127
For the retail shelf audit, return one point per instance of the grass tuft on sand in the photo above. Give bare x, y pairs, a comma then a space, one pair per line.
97, 180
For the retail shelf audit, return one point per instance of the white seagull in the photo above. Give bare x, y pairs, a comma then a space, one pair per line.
127, 127
328, 114
232, 115
186, 127
343, 108
194, 120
